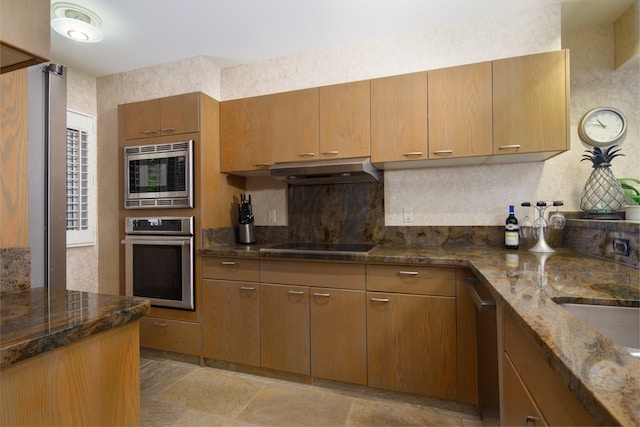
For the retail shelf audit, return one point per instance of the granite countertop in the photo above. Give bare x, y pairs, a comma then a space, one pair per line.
604, 377
37, 320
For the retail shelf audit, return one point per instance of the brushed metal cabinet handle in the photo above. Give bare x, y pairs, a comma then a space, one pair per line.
228, 263
408, 273
317, 294
161, 324
247, 288
310, 154
296, 292
329, 153
512, 146
263, 165
413, 153
167, 130
443, 152
380, 299
149, 131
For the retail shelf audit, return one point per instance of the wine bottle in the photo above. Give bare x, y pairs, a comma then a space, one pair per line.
511, 238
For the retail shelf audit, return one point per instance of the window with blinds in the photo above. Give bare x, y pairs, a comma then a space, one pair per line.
80, 172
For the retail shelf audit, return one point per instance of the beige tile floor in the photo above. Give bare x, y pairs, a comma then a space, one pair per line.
179, 393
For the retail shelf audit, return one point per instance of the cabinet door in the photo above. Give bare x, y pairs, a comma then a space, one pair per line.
345, 120
25, 34
460, 111
142, 119
518, 406
245, 139
411, 344
171, 335
180, 114
338, 335
284, 328
530, 103
231, 321
399, 118
295, 125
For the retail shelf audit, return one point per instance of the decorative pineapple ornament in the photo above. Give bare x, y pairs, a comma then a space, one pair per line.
602, 193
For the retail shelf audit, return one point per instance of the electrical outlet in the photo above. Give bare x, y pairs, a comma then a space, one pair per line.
621, 246
408, 214
272, 216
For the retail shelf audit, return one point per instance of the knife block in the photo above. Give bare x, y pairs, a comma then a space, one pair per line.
247, 233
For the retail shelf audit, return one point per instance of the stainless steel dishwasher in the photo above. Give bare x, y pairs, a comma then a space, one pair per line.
486, 349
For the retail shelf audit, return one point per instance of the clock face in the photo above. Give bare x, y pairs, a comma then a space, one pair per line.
602, 126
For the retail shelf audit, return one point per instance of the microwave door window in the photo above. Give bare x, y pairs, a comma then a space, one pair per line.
157, 175
157, 271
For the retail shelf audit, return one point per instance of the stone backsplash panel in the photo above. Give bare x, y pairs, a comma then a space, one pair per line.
15, 269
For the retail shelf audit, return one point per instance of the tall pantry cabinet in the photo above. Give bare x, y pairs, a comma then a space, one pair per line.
193, 116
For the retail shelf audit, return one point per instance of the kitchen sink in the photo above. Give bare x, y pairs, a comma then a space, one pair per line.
620, 324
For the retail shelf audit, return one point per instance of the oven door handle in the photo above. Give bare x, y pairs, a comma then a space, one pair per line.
171, 242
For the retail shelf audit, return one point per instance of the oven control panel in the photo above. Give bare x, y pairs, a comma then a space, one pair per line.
159, 225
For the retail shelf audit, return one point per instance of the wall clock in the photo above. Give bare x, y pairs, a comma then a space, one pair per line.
602, 126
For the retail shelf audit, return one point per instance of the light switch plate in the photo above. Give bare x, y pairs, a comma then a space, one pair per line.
408, 214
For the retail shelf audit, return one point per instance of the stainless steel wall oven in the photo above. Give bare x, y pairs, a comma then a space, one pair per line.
159, 257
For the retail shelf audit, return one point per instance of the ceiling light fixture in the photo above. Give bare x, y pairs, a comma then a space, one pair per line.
76, 23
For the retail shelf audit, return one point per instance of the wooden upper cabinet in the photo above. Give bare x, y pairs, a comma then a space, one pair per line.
530, 103
345, 120
294, 125
25, 33
399, 118
245, 141
460, 111
165, 116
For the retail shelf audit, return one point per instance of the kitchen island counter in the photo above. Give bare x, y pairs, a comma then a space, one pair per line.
604, 377
39, 320
69, 358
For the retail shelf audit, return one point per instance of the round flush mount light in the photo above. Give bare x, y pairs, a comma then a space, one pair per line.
76, 23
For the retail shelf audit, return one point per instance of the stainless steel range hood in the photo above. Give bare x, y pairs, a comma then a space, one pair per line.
332, 171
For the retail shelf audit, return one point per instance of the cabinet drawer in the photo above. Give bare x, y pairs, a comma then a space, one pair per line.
170, 335
330, 275
247, 270
437, 281
557, 403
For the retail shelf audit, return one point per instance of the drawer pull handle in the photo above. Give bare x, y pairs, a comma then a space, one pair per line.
263, 165
329, 153
509, 147
296, 292
530, 419
167, 129
443, 152
380, 299
413, 153
408, 273
247, 288
161, 324
309, 154
316, 294
228, 263
149, 132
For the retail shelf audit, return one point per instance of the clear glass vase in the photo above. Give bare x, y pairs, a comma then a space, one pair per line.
602, 193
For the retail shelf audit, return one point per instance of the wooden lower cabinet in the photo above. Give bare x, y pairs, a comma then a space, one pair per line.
284, 328
554, 403
91, 382
411, 343
171, 335
231, 322
338, 335
519, 407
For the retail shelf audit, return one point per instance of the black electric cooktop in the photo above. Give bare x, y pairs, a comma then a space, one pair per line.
333, 248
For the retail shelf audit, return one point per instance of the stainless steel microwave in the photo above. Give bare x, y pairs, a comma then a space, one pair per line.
159, 176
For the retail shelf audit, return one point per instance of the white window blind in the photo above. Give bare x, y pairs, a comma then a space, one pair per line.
80, 180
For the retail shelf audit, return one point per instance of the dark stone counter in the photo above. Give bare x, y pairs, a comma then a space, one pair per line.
35, 321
